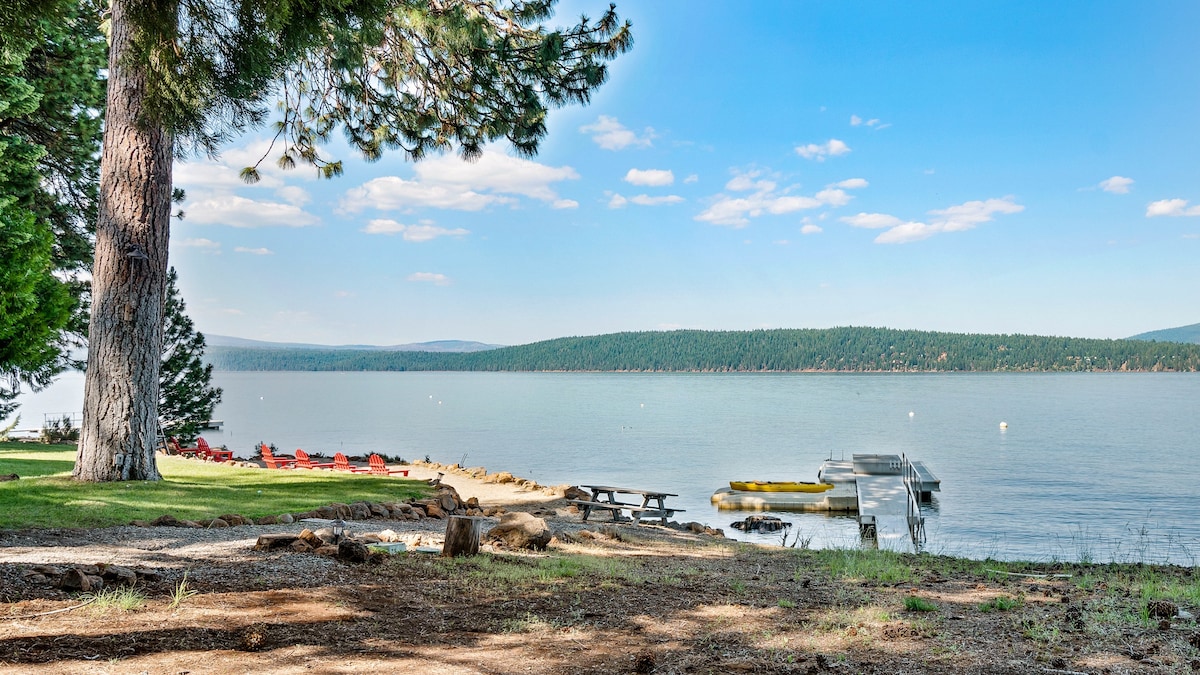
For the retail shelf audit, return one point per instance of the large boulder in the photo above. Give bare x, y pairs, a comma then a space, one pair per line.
521, 530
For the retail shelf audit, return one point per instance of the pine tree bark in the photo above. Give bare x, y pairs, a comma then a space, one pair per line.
117, 438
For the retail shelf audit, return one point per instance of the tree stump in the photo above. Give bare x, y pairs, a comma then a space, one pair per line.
462, 536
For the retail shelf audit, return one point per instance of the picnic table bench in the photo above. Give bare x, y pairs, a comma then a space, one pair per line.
604, 497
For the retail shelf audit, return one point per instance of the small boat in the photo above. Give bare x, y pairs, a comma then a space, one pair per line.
781, 486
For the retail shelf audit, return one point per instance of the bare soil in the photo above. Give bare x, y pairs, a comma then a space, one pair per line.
602, 599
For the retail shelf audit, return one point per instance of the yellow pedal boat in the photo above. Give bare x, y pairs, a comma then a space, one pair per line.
782, 486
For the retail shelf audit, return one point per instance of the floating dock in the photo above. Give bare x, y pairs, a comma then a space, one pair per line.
886, 492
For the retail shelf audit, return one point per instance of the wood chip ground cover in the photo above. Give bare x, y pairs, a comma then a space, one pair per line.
657, 601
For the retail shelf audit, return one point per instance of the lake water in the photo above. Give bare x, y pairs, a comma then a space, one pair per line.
1093, 467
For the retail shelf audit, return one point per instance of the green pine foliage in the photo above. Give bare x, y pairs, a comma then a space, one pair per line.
824, 350
186, 395
49, 135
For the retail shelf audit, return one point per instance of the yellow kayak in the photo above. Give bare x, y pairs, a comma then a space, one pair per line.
782, 486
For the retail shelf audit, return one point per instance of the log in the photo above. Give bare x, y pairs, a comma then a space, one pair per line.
462, 536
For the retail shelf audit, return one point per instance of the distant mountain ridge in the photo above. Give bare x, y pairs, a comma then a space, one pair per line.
848, 349
441, 346
1189, 334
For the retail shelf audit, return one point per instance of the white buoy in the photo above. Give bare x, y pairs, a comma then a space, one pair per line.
912, 414
643, 405
1004, 425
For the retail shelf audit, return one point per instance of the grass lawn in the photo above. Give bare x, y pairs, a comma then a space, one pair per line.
45, 496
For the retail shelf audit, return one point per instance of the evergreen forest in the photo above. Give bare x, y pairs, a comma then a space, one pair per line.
847, 349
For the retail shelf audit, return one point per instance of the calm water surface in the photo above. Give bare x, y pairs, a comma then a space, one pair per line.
1092, 466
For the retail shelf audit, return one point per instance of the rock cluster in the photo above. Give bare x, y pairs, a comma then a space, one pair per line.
87, 578
445, 502
502, 477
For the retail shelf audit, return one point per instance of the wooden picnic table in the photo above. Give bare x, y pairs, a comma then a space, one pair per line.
604, 497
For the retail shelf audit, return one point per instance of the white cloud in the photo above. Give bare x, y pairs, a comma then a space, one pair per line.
957, 218
429, 278
811, 229
610, 134
874, 123
565, 204
647, 200
425, 231
293, 195
692, 178
833, 197
1117, 185
765, 199
1171, 207
873, 221
746, 181
206, 244
832, 148
650, 177
781, 242
236, 211
617, 201
448, 182
253, 251
852, 184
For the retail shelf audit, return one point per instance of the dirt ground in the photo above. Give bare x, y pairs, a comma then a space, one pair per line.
601, 599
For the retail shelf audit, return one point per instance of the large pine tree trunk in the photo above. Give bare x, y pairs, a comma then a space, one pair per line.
117, 440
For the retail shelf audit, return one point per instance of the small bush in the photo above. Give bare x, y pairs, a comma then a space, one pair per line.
1001, 603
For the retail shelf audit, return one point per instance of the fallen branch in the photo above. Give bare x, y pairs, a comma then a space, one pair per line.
1034, 576
53, 611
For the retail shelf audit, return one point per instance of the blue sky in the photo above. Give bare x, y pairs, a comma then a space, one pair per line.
970, 167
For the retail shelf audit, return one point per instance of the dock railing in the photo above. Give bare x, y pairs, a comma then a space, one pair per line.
916, 522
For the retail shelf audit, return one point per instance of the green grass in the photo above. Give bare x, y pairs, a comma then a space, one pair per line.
116, 598
1001, 603
885, 567
917, 604
190, 490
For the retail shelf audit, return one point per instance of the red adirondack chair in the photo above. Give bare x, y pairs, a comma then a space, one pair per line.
274, 462
180, 450
377, 466
209, 453
340, 463
303, 461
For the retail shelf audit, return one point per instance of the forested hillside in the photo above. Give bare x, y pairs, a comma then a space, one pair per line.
835, 349
1181, 334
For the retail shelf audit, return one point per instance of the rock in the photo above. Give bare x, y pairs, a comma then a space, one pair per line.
388, 536
311, 538
493, 511
166, 520
417, 512
218, 522
573, 492
328, 549
693, 526
433, 510
369, 538
352, 552
472, 503
190, 523
234, 519
286, 519
140, 523
359, 511
448, 503
74, 580
8, 477
266, 520
300, 546
120, 575
521, 530
270, 542
380, 510
342, 511
760, 524
328, 513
